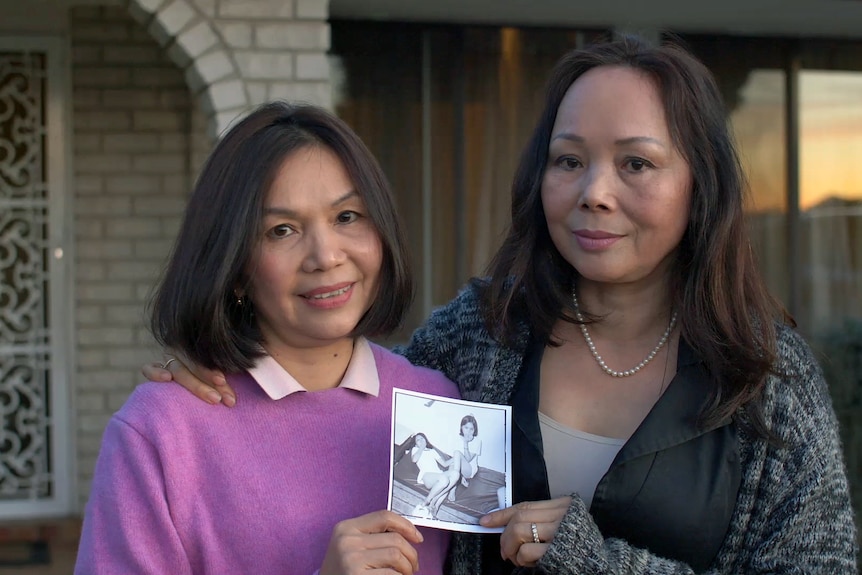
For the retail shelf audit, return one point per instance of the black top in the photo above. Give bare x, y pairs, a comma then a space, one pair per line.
672, 487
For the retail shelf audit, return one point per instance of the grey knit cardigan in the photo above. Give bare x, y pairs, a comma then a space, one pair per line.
792, 513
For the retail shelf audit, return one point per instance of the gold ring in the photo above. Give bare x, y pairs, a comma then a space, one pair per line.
167, 363
535, 531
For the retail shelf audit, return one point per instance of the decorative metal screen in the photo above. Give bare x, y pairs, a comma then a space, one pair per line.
25, 417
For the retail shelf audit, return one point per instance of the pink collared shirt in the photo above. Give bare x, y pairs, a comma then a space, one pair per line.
361, 374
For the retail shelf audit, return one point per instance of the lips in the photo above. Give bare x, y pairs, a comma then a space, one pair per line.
595, 235
327, 298
327, 292
595, 240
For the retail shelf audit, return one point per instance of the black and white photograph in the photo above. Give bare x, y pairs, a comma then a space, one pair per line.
451, 460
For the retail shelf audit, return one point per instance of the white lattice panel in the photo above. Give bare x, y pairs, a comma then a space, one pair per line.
32, 463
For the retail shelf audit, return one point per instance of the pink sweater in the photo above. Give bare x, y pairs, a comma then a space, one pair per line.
183, 487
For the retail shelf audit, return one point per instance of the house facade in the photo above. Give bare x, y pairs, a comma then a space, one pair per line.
108, 108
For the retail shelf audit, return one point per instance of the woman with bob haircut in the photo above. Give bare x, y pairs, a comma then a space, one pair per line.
289, 257
667, 418
468, 447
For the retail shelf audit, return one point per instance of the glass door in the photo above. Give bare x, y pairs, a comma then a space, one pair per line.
830, 207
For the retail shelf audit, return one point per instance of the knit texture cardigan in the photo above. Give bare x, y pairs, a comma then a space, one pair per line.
792, 513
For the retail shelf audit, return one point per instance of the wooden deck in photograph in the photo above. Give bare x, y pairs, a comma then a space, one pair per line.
405, 499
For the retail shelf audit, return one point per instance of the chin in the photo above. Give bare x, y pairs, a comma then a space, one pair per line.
335, 333
599, 275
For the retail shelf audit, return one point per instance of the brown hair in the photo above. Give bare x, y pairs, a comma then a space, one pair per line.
726, 313
194, 310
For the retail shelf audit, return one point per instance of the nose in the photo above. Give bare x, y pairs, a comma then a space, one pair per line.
597, 189
324, 249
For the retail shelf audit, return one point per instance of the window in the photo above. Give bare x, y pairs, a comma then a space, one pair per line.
446, 110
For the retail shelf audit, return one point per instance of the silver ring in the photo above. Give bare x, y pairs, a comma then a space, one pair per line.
167, 363
535, 531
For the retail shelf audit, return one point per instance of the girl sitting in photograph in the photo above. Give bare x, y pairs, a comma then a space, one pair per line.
434, 469
468, 449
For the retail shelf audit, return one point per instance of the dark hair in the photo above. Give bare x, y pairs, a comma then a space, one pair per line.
469, 419
195, 309
726, 313
407, 446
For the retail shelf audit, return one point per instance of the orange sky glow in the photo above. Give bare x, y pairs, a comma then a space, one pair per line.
830, 137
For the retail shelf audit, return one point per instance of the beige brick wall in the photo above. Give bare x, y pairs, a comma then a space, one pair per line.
239, 53
153, 81
138, 141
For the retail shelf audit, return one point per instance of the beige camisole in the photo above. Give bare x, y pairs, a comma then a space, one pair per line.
576, 461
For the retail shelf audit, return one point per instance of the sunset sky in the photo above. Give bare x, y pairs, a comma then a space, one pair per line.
831, 136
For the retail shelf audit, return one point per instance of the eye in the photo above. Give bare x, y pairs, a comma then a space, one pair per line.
347, 217
280, 231
638, 164
569, 163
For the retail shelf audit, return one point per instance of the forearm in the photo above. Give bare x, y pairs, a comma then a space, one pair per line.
578, 548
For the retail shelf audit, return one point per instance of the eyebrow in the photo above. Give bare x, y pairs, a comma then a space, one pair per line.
621, 142
276, 211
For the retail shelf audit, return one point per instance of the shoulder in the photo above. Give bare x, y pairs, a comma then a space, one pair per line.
794, 355
796, 398
154, 397
796, 368
464, 308
153, 407
449, 328
399, 369
389, 360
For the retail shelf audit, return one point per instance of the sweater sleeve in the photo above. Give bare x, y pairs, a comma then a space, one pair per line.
793, 512
127, 525
805, 522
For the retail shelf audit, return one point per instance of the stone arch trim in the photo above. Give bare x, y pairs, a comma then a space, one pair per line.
195, 45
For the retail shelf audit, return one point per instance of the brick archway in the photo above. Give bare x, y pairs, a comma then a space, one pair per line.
197, 48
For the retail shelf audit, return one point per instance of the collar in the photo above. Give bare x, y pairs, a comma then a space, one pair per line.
361, 374
675, 418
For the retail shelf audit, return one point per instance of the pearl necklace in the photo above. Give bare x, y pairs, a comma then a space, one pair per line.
601, 361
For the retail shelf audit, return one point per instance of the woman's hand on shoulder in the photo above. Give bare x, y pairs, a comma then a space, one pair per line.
375, 541
207, 384
518, 541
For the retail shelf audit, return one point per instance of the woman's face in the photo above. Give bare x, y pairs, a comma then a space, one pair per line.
467, 430
421, 443
616, 191
318, 261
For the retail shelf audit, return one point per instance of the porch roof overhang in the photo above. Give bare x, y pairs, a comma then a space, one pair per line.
793, 18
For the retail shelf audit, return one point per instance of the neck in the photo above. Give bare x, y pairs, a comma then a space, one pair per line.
626, 332
624, 312
315, 368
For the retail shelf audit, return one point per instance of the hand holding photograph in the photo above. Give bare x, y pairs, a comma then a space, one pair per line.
451, 460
